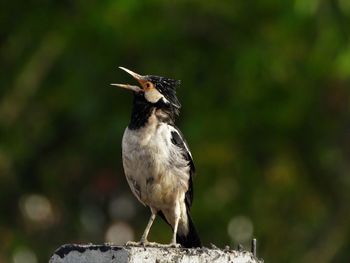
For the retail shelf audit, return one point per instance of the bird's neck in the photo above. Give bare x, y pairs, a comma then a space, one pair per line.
143, 110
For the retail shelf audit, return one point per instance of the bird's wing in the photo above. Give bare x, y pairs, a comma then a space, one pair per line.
178, 140
135, 188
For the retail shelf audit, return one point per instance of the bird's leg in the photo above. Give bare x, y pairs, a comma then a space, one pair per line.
148, 227
177, 214
144, 240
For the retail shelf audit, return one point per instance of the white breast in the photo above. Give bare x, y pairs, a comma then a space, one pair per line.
154, 167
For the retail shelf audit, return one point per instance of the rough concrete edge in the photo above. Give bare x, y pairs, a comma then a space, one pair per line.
67, 249
64, 250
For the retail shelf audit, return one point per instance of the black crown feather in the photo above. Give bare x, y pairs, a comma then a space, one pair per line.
167, 87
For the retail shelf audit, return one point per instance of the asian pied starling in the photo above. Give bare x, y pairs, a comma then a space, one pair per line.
157, 162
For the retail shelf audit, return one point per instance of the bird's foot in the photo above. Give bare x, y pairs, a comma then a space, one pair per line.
174, 245
150, 244
133, 244
142, 243
146, 243
171, 245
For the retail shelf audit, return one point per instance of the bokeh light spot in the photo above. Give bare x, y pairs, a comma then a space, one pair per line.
119, 233
37, 208
24, 255
240, 229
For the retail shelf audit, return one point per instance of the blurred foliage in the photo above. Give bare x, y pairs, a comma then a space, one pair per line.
265, 94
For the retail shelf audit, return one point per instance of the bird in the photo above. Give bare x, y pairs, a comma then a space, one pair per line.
157, 162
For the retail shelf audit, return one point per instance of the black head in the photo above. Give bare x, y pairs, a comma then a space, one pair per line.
160, 89
154, 92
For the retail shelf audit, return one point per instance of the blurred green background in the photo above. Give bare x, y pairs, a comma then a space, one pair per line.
265, 94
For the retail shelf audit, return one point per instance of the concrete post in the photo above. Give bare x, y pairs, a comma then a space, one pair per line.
129, 254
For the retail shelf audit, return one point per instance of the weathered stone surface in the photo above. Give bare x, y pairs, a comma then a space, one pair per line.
129, 254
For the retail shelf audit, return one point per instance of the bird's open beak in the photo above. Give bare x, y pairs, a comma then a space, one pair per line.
141, 79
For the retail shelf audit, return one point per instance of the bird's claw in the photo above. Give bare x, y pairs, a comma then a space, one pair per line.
175, 245
153, 244
150, 244
142, 243
171, 245
133, 244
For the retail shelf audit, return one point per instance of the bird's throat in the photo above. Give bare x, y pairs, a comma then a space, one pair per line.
140, 114
143, 110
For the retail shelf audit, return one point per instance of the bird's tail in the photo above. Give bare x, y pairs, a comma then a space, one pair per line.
191, 238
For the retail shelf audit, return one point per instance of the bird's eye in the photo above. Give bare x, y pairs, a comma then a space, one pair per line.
148, 85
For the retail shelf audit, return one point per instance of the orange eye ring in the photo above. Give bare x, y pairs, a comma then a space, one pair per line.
148, 85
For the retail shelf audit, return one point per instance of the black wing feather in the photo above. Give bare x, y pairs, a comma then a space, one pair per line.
178, 139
